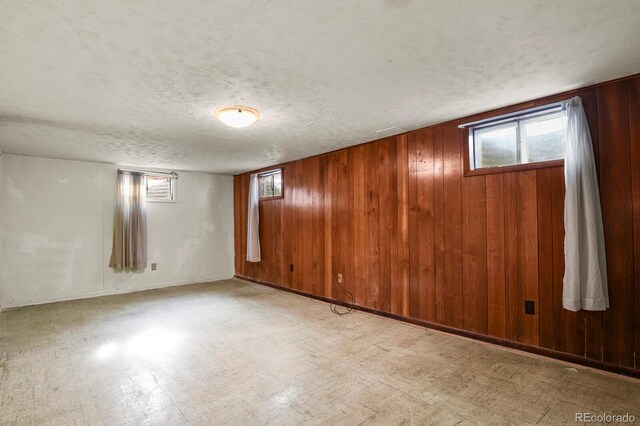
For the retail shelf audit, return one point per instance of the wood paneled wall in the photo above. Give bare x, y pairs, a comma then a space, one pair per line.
413, 236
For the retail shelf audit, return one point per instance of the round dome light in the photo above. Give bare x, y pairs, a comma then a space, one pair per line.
237, 116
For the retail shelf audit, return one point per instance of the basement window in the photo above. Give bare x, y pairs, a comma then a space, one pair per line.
528, 137
270, 185
161, 188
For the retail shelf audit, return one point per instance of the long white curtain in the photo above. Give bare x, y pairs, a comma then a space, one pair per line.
129, 250
585, 275
253, 221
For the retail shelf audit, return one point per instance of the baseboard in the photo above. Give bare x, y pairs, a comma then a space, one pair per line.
549, 353
28, 302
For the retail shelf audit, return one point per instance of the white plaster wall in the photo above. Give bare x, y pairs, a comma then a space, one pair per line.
56, 219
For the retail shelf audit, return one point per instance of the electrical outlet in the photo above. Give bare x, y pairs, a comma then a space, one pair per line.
529, 307
291, 267
339, 278
154, 266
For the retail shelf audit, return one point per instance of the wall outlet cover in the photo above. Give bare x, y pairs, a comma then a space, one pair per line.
529, 307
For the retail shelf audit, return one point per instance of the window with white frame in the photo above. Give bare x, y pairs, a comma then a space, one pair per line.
270, 185
531, 136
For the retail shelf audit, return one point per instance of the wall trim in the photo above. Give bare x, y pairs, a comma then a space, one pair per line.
549, 353
6, 305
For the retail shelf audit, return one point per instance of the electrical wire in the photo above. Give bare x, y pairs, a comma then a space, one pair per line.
343, 307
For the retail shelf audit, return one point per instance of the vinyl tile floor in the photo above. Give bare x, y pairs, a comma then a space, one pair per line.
232, 352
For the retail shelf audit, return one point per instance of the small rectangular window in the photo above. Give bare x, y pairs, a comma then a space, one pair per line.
530, 137
160, 188
270, 184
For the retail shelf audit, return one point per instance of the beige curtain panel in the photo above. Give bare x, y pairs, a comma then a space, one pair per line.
129, 251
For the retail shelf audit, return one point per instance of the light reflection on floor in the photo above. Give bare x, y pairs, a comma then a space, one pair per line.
237, 353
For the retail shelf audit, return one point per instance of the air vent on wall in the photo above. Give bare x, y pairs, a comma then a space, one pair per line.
389, 131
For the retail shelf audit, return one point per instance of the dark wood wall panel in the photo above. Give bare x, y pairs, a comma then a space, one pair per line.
413, 236
496, 272
615, 176
545, 257
634, 135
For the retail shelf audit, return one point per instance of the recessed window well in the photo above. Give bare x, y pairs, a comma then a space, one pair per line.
532, 136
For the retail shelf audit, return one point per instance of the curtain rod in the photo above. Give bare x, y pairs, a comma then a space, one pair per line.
515, 114
173, 175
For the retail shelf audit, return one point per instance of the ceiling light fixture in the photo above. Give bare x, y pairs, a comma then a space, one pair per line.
237, 116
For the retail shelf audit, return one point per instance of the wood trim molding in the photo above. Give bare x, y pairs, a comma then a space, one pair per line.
562, 356
507, 169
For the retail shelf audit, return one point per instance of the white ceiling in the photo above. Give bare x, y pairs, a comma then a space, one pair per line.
134, 82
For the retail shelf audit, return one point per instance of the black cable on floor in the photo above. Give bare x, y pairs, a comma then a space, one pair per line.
342, 307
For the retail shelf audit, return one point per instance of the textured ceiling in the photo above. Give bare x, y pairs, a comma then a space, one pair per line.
134, 82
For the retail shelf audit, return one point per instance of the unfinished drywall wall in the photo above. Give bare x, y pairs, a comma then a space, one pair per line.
56, 219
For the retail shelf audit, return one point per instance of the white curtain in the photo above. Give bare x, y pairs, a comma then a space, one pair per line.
253, 221
129, 251
585, 275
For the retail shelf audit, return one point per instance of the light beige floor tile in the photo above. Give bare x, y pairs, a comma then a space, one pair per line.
232, 353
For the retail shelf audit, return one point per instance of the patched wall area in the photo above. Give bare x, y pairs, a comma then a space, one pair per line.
57, 220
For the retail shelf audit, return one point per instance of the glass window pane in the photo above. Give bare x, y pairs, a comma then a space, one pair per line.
544, 138
496, 146
277, 184
270, 184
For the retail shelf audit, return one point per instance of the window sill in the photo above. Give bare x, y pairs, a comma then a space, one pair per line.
279, 197
514, 168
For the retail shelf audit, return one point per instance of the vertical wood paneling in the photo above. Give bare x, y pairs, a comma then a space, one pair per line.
402, 164
634, 140
360, 225
412, 235
545, 257
373, 225
414, 212
496, 289
527, 215
569, 333
384, 225
238, 188
394, 229
329, 187
342, 231
474, 254
452, 225
425, 227
615, 176
512, 298
438, 217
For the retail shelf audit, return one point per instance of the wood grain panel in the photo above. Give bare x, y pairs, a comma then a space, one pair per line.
438, 217
545, 257
569, 333
615, 176
384, 222
512, 294
373, 224
426, 226
474, 254
634, 139
452, 225
496, 283
527, 217
412, 236
414, 298
402, 172
360, 226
